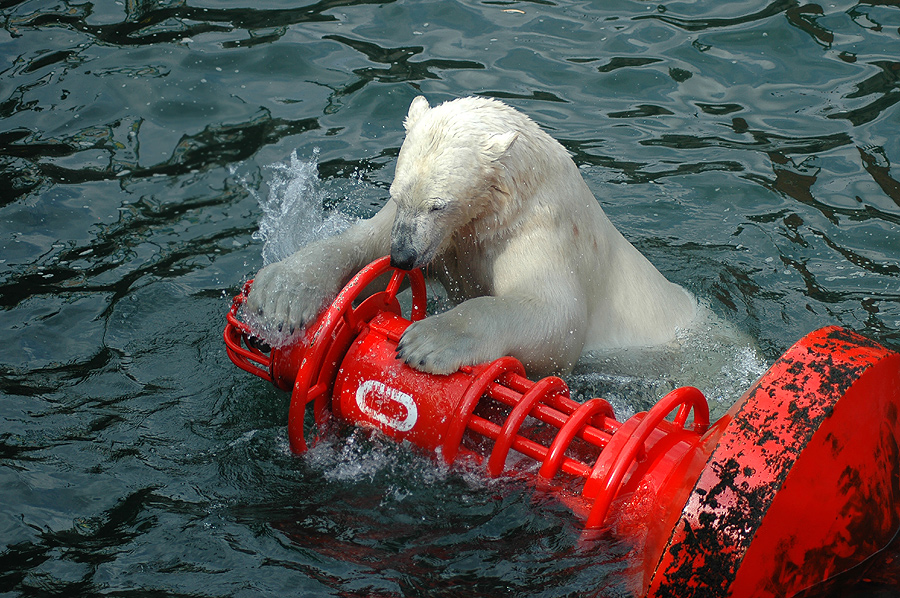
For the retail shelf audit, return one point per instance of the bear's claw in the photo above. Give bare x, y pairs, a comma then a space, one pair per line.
436, 346
287, 295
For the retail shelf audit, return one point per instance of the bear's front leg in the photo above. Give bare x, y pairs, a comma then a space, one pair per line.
289, 294
546, 339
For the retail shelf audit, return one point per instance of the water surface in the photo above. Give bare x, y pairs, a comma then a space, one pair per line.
746, 148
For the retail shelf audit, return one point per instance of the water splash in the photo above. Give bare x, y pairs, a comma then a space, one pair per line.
294, 211
365, 457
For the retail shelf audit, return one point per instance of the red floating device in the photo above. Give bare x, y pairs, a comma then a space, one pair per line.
799, 481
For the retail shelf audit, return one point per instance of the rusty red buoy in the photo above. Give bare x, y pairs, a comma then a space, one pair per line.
802, 480
796, 483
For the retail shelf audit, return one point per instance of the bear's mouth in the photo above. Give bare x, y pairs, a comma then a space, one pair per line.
405, 257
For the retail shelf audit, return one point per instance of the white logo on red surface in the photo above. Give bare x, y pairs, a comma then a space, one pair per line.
388, 406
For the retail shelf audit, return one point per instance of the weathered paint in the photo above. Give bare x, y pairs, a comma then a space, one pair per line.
802, 481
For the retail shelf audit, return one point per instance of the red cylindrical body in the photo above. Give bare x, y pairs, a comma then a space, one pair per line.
375, 389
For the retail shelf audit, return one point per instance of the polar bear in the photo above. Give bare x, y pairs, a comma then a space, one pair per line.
497, 210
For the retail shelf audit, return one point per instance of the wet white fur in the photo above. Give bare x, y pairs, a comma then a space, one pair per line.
502, 216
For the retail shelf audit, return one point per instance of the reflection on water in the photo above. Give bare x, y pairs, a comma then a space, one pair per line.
748, 149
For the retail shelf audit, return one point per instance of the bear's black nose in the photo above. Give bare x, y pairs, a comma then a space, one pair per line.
402, 258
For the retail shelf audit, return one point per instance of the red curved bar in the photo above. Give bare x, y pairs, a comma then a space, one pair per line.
474, 392
541, 390
567, 433
235, 332
340, 311
679, 397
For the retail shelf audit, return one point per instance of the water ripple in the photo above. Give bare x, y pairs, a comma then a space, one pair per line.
748, 149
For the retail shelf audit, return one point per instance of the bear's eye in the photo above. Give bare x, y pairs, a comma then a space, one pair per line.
436, 207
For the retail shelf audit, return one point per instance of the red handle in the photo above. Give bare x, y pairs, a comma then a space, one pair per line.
237, 334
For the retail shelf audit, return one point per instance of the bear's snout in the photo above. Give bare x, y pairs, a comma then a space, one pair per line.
403, 257
403, 247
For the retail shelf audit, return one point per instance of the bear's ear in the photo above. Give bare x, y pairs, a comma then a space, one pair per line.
499, 144
417, 108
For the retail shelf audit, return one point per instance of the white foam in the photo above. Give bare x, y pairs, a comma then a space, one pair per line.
366, 456
293, 215
713, 355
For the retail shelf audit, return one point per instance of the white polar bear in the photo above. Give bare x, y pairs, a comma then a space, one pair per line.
501, 215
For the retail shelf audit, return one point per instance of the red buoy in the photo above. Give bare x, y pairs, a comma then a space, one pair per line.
801, 481
797, 482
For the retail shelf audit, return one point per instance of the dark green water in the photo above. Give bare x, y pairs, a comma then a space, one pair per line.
744, 147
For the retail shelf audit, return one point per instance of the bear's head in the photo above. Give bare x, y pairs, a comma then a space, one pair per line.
449, 174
